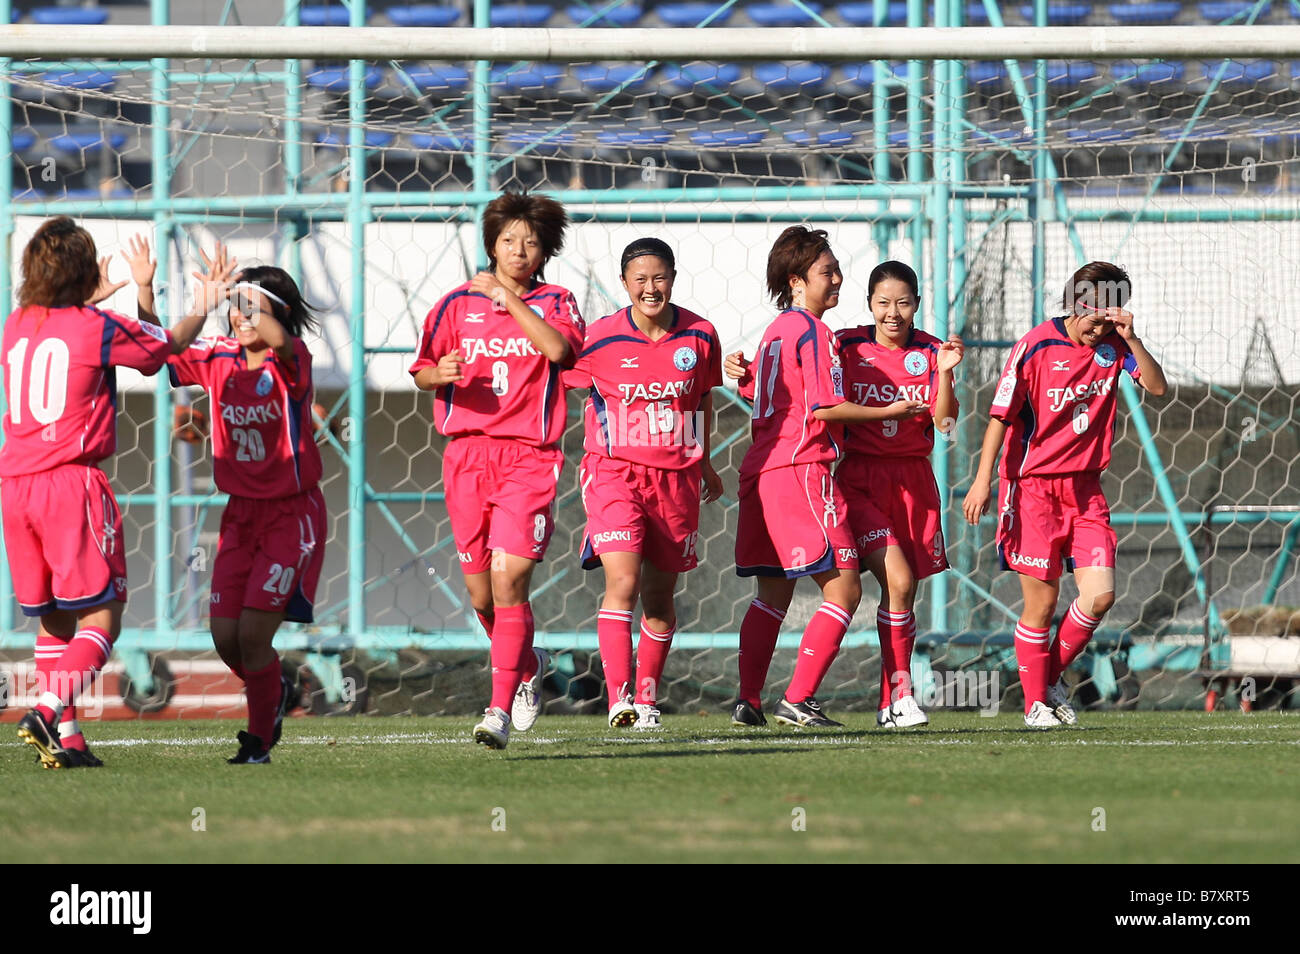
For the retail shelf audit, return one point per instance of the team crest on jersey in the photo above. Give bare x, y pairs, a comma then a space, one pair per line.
916, 363
1006, 388
264, 383
837, 381
153, 331
684, 359
1105, 355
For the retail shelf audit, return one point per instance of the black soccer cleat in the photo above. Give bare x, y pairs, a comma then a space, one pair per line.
252, 751
81, 758
807, 714
290, 699
747, 715
36, 732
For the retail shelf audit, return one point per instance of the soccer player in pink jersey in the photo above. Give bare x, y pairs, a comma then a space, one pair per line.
272, 538
62, 526
493, 350
886, 477
1053, 418
651, 369
793, 518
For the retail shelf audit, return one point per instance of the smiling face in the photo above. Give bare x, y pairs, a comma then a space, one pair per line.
894, 308
648, 280
247, 307
518, 252
820, 287
1090, 325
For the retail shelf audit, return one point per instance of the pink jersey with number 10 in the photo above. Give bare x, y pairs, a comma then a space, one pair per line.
60, 386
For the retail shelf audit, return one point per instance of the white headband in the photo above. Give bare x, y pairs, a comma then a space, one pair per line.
258, 288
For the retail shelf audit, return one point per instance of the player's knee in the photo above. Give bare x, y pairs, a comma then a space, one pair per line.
1101, 603
659, 606
846, 591
901, 594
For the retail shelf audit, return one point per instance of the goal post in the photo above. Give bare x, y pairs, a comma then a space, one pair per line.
360, 158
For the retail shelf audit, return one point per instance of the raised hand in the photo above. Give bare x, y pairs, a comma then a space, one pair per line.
736, 366
137, 257
950, 353
106, 286
216, 279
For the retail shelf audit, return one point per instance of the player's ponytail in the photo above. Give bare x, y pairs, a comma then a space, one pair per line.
291, 310
60, 266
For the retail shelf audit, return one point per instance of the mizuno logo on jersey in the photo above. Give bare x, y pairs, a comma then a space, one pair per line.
889, 393
473, 348
655, 390
1060, 365
1060, 397
629, 363
475, 317
256, 414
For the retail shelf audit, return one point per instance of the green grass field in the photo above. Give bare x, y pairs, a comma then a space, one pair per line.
1183, 786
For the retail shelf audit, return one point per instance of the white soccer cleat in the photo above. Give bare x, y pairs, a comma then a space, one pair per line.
622, 713
1040, 716
494, 730
527, 705
903, 714
1059, 702
647, 716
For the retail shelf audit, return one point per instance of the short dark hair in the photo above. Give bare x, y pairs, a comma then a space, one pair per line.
544, 216
60, 265
793, 253
1098, 284
647, 246
295, 314
897, 271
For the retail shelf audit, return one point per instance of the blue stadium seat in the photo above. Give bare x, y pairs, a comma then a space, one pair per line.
374, 139
538, 76
898, 138
22, 140
993, 135
625, 14
438, 78
97, 80
1159, 11
693, 14
782, 14
684, 78
423, 15
726, 136
1066, 72
521, 15
1246, 73
334, 79
976, 15
542, 140
1146, 74
807, 78
832, 138
644, 138
324, 16
1097, 135
864, 14
986, 73
1237, 10
86, 142
855, 78
1059, 14
1200, 132
442, 142
59, 16
603, 78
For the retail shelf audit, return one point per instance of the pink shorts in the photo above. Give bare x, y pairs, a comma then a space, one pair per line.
632, 508
500, 496
269, 556
1044, 522
793, 522
63, 539
894, 501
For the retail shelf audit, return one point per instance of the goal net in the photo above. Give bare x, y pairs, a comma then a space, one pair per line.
994, 178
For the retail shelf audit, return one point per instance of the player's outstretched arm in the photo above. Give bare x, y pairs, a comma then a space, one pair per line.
213, 288
547, 340
850, 413
1151, 375
106, 285
142, 267
976, 503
